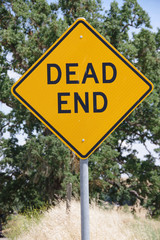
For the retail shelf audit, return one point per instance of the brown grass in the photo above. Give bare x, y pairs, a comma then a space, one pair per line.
55, 224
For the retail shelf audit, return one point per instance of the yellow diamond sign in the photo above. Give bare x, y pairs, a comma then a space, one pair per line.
82, 88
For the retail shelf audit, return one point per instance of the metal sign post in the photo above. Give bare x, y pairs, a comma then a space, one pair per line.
84, 190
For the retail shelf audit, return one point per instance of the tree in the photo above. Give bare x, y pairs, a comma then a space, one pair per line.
37, 171
27, 29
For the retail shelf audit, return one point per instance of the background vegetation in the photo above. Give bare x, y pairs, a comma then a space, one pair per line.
105, 224
38, 171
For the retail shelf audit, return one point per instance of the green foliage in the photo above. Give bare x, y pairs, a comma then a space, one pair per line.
38, 171
90, 10
118, 21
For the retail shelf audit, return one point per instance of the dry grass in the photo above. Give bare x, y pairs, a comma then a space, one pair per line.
55, 224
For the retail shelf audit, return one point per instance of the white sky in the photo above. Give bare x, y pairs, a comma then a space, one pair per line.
152, 7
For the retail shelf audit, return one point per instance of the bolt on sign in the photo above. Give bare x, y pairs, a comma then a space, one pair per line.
82, 88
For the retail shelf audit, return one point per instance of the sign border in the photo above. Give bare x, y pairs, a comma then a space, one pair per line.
39, 61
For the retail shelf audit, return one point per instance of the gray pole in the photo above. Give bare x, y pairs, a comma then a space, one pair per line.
84, 188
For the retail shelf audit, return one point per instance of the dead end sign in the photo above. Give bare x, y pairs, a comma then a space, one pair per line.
82, 88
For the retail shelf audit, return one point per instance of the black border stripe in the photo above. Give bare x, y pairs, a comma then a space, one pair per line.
117, 123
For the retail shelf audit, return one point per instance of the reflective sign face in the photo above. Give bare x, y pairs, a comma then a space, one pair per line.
82, 88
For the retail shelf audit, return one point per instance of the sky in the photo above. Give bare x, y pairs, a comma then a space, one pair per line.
152, 7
